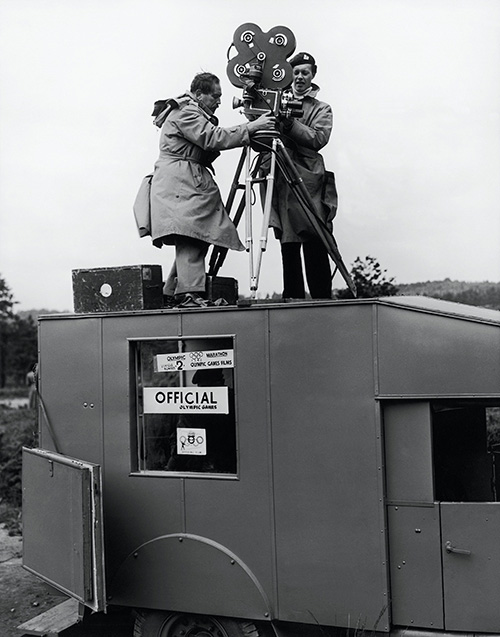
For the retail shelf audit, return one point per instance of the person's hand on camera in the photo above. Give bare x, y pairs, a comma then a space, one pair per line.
286, 123
264, 122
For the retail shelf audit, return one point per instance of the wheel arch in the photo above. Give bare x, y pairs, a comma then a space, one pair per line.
192, 574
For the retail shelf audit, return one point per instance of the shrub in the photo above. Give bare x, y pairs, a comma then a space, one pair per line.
17, 429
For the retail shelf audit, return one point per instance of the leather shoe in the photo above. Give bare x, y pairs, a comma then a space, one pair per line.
191, 299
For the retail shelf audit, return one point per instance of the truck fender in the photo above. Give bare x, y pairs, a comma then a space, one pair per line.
189, 573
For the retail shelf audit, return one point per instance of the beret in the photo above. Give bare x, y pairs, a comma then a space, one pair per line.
302, 58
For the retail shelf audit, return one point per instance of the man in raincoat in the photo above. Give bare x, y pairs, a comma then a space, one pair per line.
303, 137
186, 205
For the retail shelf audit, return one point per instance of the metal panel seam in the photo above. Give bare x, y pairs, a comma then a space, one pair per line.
384, 536
182, 483
463, 395
442, 564
272, 505
101, 384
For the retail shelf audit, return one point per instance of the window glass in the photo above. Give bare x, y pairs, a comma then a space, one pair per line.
184, 396
466, 451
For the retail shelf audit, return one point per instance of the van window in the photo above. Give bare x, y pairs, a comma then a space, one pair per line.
183, 405
466, 448
442, 450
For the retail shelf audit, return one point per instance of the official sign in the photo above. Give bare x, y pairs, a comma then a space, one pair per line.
178, 400
202, 359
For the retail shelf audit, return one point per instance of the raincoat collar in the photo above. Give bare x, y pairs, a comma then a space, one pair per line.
162, 108
312, 92
206, 111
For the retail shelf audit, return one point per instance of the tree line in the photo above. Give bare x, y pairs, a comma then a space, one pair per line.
18, 341
18, 331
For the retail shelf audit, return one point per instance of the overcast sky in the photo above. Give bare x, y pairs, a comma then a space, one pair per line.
415, 148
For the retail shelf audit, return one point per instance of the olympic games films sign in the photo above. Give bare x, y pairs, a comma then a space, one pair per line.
201, 359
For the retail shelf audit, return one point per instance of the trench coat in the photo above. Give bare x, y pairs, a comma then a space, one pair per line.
185, 200
307, 135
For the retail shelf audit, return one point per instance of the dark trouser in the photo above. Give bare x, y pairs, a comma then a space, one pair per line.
317, 266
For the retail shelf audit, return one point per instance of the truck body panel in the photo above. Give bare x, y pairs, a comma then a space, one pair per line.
339, 503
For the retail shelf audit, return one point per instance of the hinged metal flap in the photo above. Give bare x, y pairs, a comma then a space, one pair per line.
62, 524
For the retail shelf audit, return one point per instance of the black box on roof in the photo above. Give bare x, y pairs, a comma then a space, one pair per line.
118, 289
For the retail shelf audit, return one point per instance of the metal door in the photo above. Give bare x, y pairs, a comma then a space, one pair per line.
471, 565
62, 522
415, 560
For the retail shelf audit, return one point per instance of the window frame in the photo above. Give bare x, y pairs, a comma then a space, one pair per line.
137, 468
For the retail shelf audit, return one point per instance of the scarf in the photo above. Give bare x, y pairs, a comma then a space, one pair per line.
300, 96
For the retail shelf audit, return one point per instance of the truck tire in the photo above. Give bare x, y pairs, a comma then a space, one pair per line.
164, 624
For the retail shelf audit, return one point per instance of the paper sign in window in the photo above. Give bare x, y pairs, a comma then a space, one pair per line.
191, 442
192, 400
185, 361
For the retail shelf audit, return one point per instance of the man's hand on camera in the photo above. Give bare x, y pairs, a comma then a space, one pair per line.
264, 122
286, 123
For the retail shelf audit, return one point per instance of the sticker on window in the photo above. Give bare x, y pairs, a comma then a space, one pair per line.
185, 361
191, 442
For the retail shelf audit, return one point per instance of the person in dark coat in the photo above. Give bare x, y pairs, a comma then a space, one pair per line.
303, 138
186, 205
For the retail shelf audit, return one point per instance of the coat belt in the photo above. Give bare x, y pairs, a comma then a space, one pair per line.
184, 157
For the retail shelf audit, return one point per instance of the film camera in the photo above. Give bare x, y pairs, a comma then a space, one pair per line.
261, 69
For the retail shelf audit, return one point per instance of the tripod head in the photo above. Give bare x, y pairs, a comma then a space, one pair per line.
261, 141
262, 70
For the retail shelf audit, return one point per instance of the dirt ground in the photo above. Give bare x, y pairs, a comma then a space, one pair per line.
22, 595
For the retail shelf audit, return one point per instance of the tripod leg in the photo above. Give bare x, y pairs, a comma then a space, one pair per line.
236, 181
309, 207
219, 254
248, 220
267, 213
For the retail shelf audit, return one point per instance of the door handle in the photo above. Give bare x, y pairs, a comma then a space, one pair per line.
452, 549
